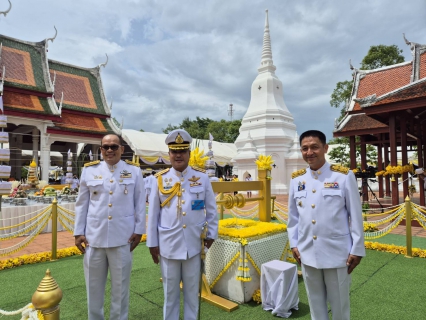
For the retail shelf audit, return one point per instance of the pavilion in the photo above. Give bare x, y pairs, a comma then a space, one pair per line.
388, 110
50, 105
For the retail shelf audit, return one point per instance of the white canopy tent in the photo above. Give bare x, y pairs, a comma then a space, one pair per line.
151, 148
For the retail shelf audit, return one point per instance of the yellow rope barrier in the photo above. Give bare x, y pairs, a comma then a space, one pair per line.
22, 231
25, 242
67, 211
29, 220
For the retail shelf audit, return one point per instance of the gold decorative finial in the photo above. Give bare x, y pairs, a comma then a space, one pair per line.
47, 296
179, 139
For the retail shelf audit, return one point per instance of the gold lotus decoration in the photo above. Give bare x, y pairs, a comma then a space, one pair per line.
264, 162
197, 159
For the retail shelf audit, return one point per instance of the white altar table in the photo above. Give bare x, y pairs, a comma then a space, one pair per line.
279, 287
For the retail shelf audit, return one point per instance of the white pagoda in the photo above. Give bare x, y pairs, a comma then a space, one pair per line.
268, 127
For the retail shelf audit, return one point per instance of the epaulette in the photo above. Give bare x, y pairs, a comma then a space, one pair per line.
199, 169
92, 163
337, 168
132, 163
298, 173
161, 172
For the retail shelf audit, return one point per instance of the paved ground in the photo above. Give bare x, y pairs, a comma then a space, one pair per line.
43, 242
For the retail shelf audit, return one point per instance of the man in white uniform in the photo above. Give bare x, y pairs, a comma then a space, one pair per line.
325, 228
110, 220
181, 204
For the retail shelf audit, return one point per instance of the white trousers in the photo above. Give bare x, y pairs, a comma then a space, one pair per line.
97, 261
330, 285
173, 271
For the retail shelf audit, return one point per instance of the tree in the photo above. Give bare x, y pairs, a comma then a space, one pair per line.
340, 154
141, 130
381, 56
341, 95
222, 131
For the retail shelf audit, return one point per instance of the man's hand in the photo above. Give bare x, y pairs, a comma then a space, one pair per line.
79, 240
155, 253
352, 262
208, 243
134, 240
296, 255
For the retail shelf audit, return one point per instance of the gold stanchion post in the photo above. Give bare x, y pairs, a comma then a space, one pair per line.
409, 239
54, 228
265, 193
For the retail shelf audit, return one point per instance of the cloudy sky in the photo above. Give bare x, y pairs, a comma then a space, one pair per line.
173, 59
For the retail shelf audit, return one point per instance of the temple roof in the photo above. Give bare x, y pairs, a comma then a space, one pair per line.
385, 87
83, 123
82, 88
26, 64
380, 81
356, 122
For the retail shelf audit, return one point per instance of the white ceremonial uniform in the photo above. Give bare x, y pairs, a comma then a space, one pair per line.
110, 207
176, 229
325, 224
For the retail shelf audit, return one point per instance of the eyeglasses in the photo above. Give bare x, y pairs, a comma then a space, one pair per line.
113, 147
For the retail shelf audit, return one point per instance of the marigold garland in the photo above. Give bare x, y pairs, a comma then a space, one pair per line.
257, 296
42, 257
242, 229
391, 248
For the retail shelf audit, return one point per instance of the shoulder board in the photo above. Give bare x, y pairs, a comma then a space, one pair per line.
340, 169
298, 173
93, 163
161, 172
199, 169
132, 163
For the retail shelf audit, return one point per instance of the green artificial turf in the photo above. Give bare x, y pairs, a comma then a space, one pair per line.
384, 286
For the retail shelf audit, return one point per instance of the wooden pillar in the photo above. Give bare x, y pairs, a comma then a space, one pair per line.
404, 155
420, 150
393, 157
363, 167
352, 152
380, 166
386, 163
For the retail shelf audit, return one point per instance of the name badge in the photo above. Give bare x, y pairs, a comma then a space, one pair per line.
197, 204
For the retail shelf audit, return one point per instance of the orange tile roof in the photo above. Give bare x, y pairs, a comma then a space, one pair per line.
19, 68
383, 81
82, 123
25, 102
422, 66
76, 89
416, 90
361, 121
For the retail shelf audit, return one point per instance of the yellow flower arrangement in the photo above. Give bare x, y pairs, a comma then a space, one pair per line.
399, 169
369, 227
42, 257
355, 170
264, 162
416, 252
243, 229
197, 159
380, 173
257, 296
